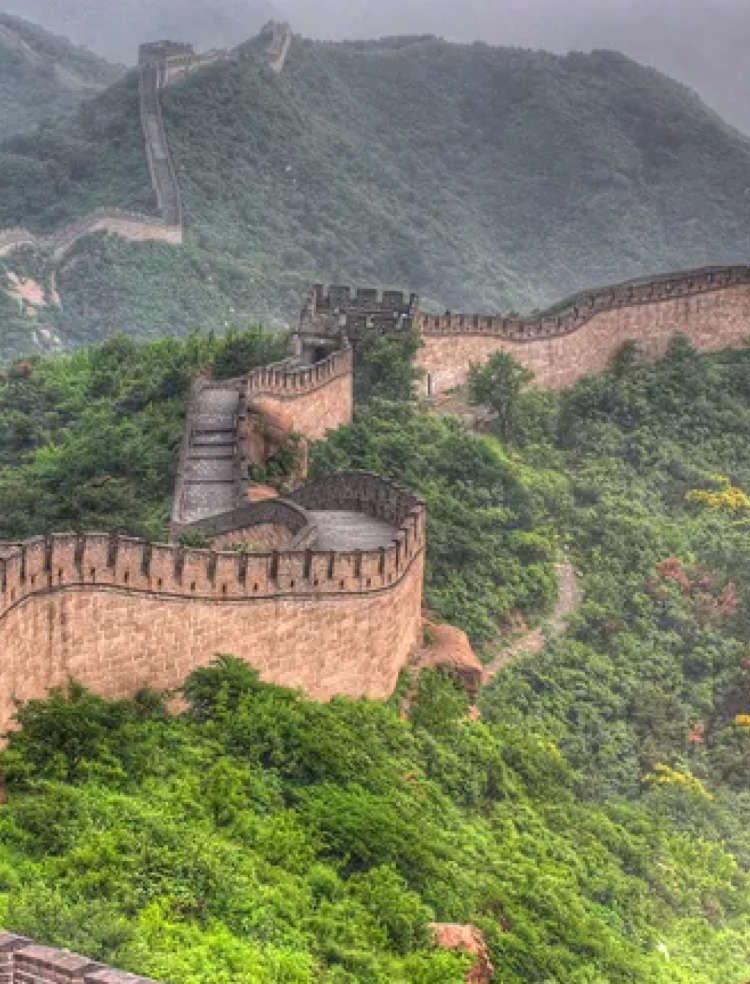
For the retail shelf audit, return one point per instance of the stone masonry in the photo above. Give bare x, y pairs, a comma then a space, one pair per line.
710, 306
24, 962
331, 612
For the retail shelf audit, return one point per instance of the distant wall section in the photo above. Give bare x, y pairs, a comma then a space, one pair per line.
710, 307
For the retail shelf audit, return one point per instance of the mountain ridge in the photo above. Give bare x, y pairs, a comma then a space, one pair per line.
43, 75
482, 177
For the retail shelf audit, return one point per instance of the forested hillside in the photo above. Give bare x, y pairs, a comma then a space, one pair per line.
592, 823
43, 76
483, 178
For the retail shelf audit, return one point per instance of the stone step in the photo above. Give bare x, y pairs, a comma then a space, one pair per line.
210, 470
203, 499
203, 452
213, 421
218, 400
212, 438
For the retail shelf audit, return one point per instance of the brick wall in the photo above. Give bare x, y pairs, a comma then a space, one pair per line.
711, 307
118, 613
319, 397
24, 962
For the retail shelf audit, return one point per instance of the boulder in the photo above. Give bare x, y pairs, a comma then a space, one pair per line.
449, 649
453, 936
259, 493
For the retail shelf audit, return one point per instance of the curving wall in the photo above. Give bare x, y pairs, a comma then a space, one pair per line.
710, 306
319, 397
118, 613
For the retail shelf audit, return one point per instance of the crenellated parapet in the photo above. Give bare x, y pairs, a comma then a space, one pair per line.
22, 961
577, 310
119, 613
710, 306
340, 311
67, 561
287, 379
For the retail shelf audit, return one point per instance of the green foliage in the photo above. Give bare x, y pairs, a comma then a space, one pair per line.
263, 838
49, 82
497, 384
384, 367
489, 550
90, 441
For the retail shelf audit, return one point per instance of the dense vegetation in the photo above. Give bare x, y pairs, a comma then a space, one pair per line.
592, 823
71, 165
43, 76
484, 178
89, 441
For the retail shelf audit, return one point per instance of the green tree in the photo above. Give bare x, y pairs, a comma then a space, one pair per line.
497, 384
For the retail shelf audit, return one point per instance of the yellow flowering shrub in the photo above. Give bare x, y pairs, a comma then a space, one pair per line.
726, 496
664, 775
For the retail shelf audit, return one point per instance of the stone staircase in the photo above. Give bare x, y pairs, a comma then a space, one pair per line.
210, 482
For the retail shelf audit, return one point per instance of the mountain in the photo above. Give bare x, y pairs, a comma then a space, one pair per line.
483, 178
43, 76
115, 28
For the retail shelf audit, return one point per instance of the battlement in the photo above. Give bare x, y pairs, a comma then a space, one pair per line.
119, 613
339, 311
24, 962
156, 51
283, 379
711, 306
68, 561
574, 312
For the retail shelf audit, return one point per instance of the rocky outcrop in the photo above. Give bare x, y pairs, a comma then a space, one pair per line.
448, 649
452, 936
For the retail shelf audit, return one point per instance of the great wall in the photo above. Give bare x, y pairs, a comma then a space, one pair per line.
160, 64
322, 588
22, 961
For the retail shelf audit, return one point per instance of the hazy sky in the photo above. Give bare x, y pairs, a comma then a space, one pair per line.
705, 43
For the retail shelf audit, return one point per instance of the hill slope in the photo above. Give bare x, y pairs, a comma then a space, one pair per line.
43, 76
116, 27
484, 178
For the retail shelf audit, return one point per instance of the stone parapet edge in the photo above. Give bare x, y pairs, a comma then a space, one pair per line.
98, 560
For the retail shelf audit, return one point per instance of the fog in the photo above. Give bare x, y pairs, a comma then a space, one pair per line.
705, 44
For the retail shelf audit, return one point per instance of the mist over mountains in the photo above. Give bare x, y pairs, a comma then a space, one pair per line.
703, 44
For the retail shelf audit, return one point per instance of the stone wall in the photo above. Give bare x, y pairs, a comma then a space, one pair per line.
319, 397
339, 310
24, 962
118, 613
272, 524
130, 225
711, 307
163, 176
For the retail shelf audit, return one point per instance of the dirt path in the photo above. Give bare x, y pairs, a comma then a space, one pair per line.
568, 600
